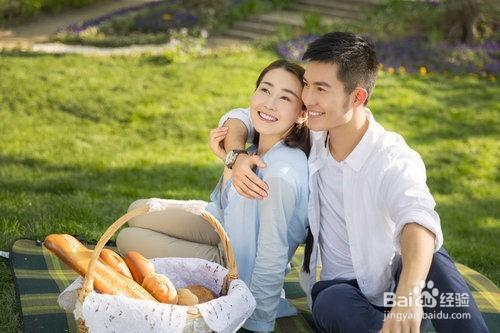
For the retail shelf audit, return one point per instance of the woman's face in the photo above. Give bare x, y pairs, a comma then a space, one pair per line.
276, 105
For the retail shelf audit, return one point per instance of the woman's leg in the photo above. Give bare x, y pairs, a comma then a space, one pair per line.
170, 233
175, 222
153, 244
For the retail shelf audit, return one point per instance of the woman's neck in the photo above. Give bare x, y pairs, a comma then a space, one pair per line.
266, 142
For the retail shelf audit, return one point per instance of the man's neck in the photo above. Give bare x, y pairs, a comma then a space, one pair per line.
343, 139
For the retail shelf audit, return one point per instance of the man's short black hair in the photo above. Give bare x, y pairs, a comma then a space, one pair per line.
354, 56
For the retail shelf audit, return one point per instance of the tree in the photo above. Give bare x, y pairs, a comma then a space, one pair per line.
463, 18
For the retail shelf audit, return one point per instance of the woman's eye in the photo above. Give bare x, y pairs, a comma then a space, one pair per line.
285, 98
264, 90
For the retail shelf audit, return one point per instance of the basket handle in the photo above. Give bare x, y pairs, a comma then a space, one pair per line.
228, 249
88, 281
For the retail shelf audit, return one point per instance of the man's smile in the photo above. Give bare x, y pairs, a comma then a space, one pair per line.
315, 113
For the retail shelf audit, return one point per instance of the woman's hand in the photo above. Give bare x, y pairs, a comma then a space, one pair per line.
217, 135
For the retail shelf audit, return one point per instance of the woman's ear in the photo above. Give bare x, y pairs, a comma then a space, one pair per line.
302, 117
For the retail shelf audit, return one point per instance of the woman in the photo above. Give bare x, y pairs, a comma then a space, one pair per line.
264, 233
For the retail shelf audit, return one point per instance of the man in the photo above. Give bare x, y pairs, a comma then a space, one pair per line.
370, 211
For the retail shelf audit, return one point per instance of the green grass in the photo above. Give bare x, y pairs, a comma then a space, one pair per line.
83, 137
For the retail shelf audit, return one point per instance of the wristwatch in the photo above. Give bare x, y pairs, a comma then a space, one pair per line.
232, 155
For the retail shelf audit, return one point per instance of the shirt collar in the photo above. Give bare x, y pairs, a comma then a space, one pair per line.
358, 156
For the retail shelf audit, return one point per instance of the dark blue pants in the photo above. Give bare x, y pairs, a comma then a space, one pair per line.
340, 306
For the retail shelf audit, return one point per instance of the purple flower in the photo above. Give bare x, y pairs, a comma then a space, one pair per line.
295, 48
79, 27
415, 52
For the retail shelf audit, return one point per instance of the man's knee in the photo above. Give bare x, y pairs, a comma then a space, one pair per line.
442, 256
331, 308
443, 270
317, 288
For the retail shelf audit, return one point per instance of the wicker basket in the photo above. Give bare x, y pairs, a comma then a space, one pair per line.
193, 313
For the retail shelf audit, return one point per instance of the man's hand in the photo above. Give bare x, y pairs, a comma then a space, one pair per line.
217, 135
417, 245
245, 181
403, 319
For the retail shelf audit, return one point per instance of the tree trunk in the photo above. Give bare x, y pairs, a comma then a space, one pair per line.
462, 18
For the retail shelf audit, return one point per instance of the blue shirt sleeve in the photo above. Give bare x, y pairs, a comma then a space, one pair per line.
275, 213
215, 207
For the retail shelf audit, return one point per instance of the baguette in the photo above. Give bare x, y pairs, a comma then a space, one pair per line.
116, 262
106, 279
161, 288
139, 266
143, 272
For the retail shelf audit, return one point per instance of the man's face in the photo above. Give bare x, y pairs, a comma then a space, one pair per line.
328, 105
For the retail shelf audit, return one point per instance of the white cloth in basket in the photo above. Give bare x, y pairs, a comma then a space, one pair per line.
108, 313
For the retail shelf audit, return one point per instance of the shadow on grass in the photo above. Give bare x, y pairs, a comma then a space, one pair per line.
96, 181
28, 54
85, 201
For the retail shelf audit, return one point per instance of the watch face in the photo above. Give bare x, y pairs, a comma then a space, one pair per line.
230, 158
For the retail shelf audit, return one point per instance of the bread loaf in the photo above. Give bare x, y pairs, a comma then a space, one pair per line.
116, 262
203, 293
106, 279
161, 288
186, 297
139, 266
157, 285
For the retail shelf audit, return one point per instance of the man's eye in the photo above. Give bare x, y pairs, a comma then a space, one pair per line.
321, 89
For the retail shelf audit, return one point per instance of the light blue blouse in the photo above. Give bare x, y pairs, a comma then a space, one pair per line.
265, 233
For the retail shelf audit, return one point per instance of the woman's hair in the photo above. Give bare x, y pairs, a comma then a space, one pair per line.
299, 135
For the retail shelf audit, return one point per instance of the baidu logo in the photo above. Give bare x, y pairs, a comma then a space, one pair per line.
429, 296
426, 295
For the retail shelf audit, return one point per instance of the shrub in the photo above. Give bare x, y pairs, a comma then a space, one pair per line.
457, 21
18, 10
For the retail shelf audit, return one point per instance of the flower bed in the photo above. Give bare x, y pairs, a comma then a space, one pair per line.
149, 23
415, 55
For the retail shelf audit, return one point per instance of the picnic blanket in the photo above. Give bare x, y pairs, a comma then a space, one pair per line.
40, 276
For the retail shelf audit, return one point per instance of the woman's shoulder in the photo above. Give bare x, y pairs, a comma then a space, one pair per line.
286, 161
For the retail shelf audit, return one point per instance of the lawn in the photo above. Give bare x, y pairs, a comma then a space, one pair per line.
82, 137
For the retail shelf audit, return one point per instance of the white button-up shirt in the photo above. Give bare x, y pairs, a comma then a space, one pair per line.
384, 188
333, 239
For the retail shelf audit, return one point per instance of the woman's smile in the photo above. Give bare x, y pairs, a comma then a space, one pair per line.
266, 117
